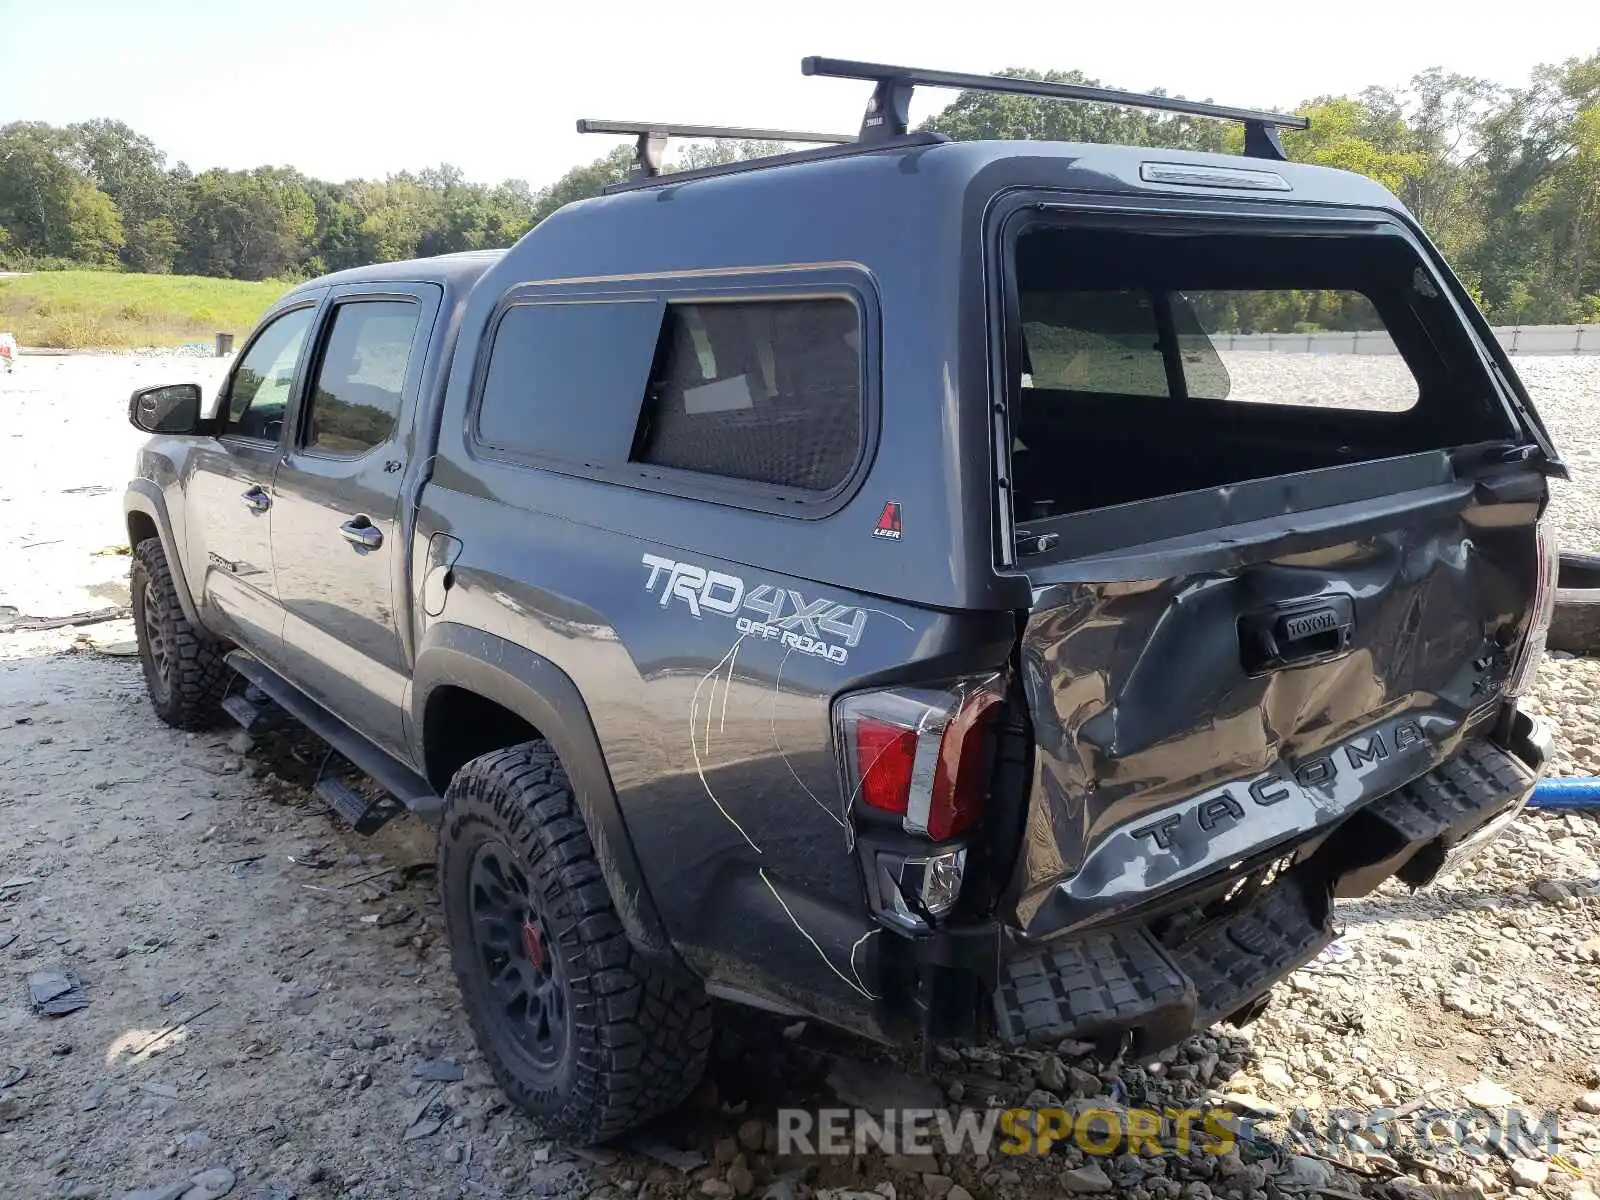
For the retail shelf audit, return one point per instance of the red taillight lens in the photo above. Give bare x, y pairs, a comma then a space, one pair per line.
920, 752
885, 755
958, 781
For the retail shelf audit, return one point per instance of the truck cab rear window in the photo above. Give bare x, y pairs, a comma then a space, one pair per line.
1147, 364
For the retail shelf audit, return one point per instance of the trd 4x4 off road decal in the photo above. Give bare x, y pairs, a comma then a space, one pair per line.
781, 614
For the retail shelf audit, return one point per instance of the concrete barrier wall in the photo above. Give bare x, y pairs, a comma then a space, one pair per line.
1517, 339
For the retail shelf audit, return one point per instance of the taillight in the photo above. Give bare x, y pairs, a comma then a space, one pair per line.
1547, 567
919, 752
885, 756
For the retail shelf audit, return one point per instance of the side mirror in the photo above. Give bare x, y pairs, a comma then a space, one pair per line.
172, 408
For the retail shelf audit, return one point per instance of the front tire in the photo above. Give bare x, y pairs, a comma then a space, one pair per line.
578, 1029
184, 668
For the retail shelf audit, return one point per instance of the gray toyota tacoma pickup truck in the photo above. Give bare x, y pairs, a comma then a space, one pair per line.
946, 590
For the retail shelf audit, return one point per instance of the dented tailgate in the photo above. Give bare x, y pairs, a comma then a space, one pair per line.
1198, 705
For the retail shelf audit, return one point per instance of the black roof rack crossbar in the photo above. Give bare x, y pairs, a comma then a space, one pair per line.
887, 111
650, 143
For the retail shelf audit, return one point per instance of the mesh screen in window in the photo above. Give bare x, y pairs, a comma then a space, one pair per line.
767, 391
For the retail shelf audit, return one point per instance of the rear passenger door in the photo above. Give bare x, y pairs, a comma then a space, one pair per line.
336, 530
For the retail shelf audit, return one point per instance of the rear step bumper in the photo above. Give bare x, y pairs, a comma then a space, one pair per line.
1125, 979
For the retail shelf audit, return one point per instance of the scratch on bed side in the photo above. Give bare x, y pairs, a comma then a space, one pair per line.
859, 941
727, 686
783, 754
820, 953
891, 617
694, 742
713, 677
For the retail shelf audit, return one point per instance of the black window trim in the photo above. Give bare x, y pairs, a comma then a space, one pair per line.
832, 282
224, 400
297, 446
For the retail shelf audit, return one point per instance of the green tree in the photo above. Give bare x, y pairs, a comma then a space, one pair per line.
1505, 180
128, 167
49, 206
977, 116
581, 183
722, 152
1348, 135
247, 224
94, 227
1535, 170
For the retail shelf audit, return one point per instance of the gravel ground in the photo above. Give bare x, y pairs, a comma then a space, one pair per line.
268, 1017
1566, 391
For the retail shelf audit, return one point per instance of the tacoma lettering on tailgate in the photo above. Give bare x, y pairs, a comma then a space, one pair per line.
1229, 804
1229, 823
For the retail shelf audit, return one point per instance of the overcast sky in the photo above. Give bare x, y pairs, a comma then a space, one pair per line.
347, 88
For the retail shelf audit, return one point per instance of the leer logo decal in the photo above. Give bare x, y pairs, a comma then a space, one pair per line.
784, 614
888, 525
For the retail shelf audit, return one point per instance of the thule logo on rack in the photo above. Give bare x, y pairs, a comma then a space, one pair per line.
1211, 813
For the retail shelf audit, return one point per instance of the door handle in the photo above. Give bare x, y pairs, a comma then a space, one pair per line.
256, 497
361, 533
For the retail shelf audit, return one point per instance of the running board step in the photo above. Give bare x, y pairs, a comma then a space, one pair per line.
1124, 980
253, 709
362, 815
392, 775
1101, 983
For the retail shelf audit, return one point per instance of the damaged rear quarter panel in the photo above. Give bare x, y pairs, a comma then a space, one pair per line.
709, 683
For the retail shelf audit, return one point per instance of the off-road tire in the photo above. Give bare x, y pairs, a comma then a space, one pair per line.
636, 1039
184, 668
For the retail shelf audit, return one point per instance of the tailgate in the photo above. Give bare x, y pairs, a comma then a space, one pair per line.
1278, 512
1200, 703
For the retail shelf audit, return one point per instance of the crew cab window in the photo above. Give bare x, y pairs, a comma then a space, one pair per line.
767, 391
259, 392
355, 401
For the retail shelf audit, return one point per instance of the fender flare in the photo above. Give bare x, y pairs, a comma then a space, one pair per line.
145, 496
543, 695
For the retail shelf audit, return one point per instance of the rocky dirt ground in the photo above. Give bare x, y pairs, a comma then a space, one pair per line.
271, 1012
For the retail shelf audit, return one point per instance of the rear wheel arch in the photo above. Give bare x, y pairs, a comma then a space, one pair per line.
471, 689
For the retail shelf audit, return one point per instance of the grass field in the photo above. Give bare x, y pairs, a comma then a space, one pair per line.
106, 310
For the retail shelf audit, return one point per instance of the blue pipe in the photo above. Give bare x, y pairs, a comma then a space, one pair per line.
1567, 791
